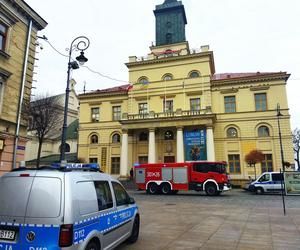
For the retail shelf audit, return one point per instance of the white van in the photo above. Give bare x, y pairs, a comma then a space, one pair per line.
75, 207
268, 182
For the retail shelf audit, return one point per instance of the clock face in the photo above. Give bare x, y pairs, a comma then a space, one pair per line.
232, 132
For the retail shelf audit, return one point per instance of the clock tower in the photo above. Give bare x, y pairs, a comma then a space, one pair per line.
170, 22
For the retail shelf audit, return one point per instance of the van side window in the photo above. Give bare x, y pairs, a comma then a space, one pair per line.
104, 197
86, 197
277, 177
120, 194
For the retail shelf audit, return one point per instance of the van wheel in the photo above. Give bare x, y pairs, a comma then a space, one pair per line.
211, 189
92, 246
166, 188
135, 230
152, 188
259, 190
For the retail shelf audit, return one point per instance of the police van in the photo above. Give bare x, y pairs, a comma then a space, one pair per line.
268, 182
70, 207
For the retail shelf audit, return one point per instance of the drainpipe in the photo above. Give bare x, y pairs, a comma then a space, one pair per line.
23, 82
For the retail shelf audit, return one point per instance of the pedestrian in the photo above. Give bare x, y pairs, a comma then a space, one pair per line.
131, 174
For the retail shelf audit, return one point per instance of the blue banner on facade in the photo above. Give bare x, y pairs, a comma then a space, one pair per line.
195, 145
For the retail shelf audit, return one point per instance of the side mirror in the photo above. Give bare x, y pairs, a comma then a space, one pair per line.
131, 200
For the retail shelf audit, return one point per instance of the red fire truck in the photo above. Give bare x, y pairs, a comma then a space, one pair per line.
169, 178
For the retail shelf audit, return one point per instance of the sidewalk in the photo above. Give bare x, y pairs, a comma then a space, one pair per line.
236, 220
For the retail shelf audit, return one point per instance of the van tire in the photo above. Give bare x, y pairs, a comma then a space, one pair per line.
259, 190
152, 188
166, 189
92, 246
211, 189
135, 230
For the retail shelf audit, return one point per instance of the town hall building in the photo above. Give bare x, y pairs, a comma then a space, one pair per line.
177, 108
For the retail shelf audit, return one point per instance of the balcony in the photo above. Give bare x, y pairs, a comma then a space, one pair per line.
179, 113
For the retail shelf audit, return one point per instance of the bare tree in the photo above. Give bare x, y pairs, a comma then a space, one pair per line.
253, 157
44, 117
296, 142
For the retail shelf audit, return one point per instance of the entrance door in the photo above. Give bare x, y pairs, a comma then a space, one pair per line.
169, 159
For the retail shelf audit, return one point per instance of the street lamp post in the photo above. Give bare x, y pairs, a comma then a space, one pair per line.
282, 157
80, 43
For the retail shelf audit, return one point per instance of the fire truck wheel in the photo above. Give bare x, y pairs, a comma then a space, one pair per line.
152, 188
211, 189
166, 188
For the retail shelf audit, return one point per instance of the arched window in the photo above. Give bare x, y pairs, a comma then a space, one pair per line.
94, 139
143, 136
168, 38
167, 77
143, 80
263, 131
67, 148
232, 133
169, 135
194, 74
116, 138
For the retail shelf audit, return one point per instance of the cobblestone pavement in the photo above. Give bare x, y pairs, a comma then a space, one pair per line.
234, 220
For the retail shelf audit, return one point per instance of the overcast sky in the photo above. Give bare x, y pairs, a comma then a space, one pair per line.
245, 35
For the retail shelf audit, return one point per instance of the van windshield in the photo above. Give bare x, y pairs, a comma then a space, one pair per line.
44, 200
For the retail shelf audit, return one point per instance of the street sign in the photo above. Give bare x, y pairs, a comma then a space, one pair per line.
292, 183
21, 147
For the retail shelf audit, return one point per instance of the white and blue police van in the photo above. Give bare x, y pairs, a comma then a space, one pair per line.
268, 182
71, 207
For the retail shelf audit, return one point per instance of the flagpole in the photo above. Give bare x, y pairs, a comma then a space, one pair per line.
165, 97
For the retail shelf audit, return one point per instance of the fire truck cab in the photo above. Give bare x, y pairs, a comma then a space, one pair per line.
169, 178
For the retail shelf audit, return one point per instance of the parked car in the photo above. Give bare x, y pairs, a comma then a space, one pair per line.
75, 207
268, 182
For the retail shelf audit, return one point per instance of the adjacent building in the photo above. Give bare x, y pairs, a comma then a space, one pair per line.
52, 143
177, 108
19, 25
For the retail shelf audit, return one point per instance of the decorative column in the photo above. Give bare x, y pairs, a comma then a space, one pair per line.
151, 149
124, 154
210, 144
180, 146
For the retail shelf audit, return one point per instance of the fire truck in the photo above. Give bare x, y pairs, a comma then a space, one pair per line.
169, 178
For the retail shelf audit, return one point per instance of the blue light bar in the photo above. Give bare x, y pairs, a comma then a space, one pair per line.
136, 165
91, 166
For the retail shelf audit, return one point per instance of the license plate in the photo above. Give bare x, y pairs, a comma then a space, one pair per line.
7, 235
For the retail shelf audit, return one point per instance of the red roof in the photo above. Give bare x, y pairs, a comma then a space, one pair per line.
224, 76
120, 89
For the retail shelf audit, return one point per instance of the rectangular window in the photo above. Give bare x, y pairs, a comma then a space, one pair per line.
3, 35
267, 164
261, 102
95, 114
116, 113
104, 196
93, 160
115, 165
229, 103
168, 106
195, 104
143, 159
234, 164
143, 108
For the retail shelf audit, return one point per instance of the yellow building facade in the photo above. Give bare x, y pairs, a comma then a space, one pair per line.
177, 108
19, 25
